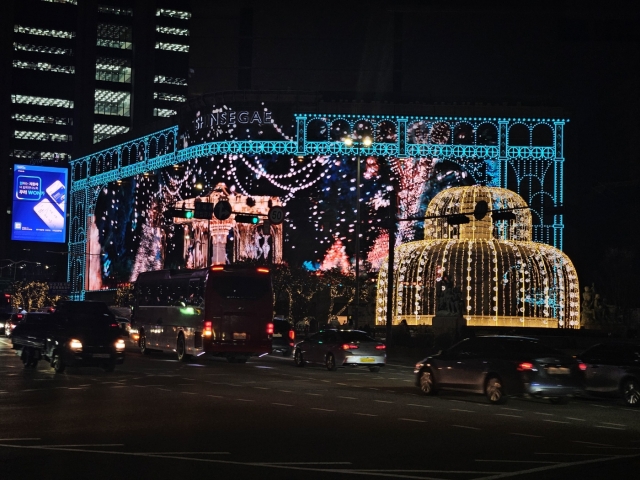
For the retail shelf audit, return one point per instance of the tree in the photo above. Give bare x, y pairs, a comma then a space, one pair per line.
124, 296
32, 295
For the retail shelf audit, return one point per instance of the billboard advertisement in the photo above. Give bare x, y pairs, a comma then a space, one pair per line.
39, 202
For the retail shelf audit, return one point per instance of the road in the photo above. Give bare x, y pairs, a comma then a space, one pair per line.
154, 417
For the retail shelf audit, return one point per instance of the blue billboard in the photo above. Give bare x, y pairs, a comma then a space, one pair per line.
39, 202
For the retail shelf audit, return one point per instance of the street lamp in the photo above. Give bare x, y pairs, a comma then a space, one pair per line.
359, 144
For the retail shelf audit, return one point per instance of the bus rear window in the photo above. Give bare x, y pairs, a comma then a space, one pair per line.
241, 287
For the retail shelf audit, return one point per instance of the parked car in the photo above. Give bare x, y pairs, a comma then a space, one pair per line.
11, 322
341, 348
498, 366
613, 369
283, 337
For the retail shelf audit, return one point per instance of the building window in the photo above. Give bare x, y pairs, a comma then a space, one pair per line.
25, 47
44, 67
23, 117
102, 131
108, 102
113, 70
42, 101
163, 12
172, 30
45, 137
115, 10
164, 112
171, 97
45, 32
114, 36
170, 80
172, 47
56, 156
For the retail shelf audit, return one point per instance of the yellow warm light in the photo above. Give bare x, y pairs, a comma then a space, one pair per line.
366, 141
348, 141
120, 344
75, 344
208, 333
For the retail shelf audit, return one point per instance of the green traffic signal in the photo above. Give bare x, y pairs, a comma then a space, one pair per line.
247, 219
188, 214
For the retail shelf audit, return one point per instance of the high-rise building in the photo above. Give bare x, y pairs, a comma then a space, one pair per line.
81, 71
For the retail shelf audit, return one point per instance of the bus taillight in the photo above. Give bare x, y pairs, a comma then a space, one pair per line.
269, 328
208, 329
263, 270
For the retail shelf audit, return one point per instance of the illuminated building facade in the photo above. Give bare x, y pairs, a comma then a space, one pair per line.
259, 149
487, 271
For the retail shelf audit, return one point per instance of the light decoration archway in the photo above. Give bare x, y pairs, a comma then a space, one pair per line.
496, 274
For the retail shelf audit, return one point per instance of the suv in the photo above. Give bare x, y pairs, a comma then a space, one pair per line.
498, 366
283, 337
613, 369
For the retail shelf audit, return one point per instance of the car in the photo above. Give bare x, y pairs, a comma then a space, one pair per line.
4, 319
613, 369
501, 366
341, 348
11, 322
283, 337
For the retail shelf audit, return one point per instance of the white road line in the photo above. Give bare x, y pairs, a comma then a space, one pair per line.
574, 454
323, 409
609, 427
85, 445
599, 406
593, 443
465, 426
215, 396
282, 404
527, 435
383, 401
430, 471
416, 405
541, 413
515, 461
189, 393
314, 394
326, 381
285, 391
554, 421
576, 419
508, 415
512, 409
460, 410
366, 414
18, 439
262, 388
412, 420
614, 424
348, 398
244, 400
76, 388
164, 389
343, 384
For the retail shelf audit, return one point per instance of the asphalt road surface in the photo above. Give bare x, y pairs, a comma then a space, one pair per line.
157, 418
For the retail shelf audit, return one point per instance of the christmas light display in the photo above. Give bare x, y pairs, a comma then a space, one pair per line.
303, 165
488, 272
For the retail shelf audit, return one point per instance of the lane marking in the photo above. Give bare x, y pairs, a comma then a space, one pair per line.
383, 401
85, 445
512, 409
460, 410
282, 404
593, 443
614, 424
527, 435
343, 384
416, 405
215, 396
189, 393
323, 409
18, 439
366, 414
576, 419
305, 463
314, 394
412, 420
555, 421
514, 461
609, 427
465, 426
244, 400
164, 389
508, 415
541, 413
348, 398
286, 391
262, 388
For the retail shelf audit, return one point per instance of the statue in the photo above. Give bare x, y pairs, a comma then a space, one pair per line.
588, 315
448, 298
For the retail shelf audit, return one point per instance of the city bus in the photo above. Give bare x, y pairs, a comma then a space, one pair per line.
223, 310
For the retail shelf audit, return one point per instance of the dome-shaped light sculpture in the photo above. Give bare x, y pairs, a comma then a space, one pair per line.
487, 271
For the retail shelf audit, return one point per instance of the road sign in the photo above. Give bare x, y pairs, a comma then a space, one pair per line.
203, 210
222, 210
276, 215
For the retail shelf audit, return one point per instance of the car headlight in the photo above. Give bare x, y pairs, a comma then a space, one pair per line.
75, 344
419, 366
120, 344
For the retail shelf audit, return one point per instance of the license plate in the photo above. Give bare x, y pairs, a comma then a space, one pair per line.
239, 336
367, 360
277, 335
101, 355
558, 371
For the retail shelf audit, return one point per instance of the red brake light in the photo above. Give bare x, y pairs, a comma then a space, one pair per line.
114, 325
380, 347
582, 366
263, 270
292, 335
349, 346
269, 328
208, 328
525, 366
19, 316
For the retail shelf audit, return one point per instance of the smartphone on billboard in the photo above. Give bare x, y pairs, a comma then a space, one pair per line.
58, 194
49, 215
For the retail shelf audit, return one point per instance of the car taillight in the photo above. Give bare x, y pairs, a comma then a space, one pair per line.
269, 328
263, 270
292, 335
525, 366
217, 269
380, 347
349, 346
582, 366
208, 329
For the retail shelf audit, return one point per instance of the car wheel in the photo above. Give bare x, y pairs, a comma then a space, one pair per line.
495, 391
330, 363
631, 392
427, 384
374, 369
298, 358
181, 349
142, 344
57, 363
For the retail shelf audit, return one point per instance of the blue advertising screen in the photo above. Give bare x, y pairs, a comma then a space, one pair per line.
39, 201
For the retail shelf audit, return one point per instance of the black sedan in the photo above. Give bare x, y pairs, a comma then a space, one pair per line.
613, 369
498, 366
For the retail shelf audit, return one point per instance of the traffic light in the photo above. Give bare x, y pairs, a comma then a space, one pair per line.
457, 219
178, 213
247, 219
203, 210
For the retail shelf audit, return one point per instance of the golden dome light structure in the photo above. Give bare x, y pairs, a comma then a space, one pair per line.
487, 271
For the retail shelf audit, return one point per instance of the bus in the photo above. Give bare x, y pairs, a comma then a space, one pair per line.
223, 310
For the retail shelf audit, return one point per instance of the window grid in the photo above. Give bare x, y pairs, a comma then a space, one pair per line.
164, 112
114, 36
44, 67
42, 136
72, 2
163, 12
25, 47
170, 80
172, 47
171, 97
40, 155
172, 30
45, 32
42, 101
115, 10
110, 73
108, 102
23, 117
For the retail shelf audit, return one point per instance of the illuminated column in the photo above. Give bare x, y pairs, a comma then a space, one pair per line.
558, 194
402, 137
301, 134
503, 156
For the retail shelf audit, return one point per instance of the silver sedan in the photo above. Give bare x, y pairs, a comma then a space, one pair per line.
341, 348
